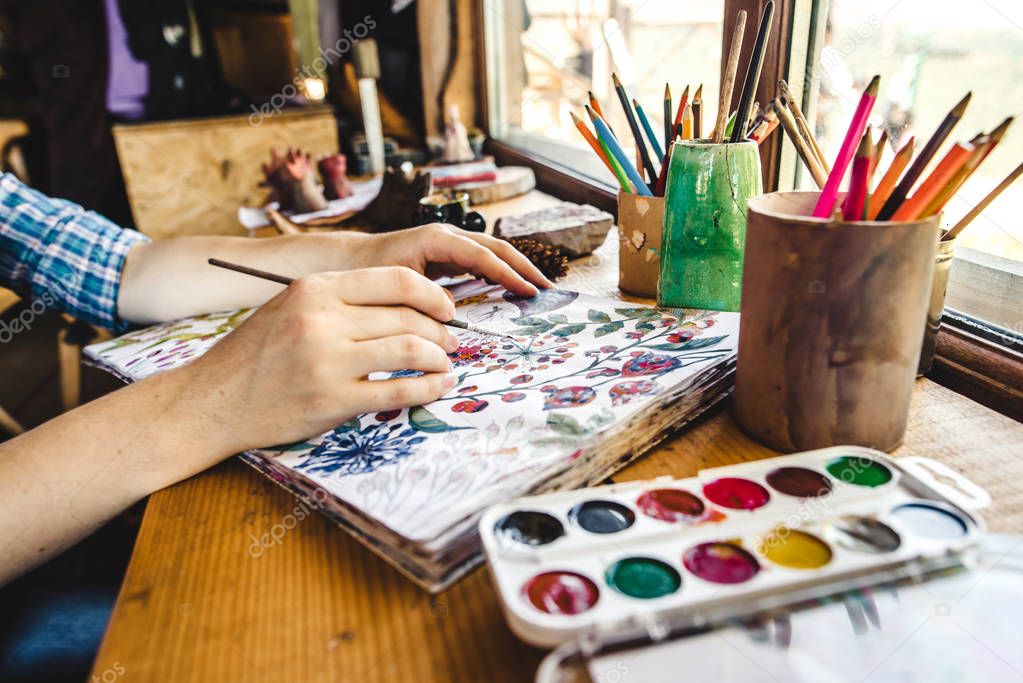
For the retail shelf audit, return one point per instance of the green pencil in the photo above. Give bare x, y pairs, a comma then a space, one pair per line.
616, 168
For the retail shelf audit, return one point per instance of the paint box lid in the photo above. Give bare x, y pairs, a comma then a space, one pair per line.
959, 624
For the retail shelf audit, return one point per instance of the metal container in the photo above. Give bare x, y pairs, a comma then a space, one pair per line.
942, 268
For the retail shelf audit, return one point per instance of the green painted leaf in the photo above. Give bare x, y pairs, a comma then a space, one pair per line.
569, 330
608, 329
549, 441
558, 318
692, 344
639, 313
532, 330
423, 420
596, 316
528, 321
565, 424
644, 326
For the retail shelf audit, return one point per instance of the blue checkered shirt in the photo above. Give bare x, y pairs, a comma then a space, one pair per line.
56, 252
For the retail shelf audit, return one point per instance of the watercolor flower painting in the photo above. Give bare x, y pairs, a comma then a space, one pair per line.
526, 409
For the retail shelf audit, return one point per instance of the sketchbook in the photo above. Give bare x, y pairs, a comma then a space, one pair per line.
585, 386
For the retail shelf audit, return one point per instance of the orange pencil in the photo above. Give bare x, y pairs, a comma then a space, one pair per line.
941, 176
981, 147
595, 106
590, 138
890, 178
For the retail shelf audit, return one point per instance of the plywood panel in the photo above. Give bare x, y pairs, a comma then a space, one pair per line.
190, 177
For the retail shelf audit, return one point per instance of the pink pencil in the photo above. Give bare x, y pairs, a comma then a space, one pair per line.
829, 195
857, 196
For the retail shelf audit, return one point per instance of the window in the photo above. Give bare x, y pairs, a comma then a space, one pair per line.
929, 54
544, 55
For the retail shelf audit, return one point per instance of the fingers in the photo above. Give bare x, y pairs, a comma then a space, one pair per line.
405, 392
454, 246
374, 322
513, 257
403, 352
394, 286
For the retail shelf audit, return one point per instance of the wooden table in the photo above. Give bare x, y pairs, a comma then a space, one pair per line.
196, 606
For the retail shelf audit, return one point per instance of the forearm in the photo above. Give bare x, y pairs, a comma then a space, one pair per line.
170, 279
62, 480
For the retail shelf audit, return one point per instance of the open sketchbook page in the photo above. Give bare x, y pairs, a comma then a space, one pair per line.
522, 409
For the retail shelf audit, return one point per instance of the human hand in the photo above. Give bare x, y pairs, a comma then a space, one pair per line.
298, 366
437, 250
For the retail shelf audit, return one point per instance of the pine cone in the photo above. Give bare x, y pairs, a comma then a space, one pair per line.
549, 259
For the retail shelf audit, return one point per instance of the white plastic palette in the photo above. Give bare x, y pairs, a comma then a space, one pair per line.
641, 555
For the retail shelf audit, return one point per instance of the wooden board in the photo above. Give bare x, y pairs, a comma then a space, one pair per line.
201, 603
512, 181
190, 177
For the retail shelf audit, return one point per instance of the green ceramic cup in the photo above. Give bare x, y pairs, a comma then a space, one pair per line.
704, 238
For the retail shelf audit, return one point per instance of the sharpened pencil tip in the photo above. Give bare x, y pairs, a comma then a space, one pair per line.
960, 108
999, 132
875, 85
685, 93
614, 77
592, 114
699, 93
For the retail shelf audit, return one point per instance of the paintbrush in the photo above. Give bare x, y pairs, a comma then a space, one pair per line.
984, 203
916, 170
284, 280
756, 65
788, 124
803, 125
728, 81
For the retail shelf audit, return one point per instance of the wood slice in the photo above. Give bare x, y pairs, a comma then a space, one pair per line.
511, 181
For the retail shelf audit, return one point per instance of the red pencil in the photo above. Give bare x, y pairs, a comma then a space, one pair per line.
857, 196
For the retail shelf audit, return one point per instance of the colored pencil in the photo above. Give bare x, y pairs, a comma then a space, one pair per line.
681, 109
284, 280
916, 169
662, 177
887, 183
604, 134
969, 168
591, 139
655, 144
596, 107
698, 113
981, 146
878, 152
688, 123
630, 116
803, 125
829, 195
984, 203
667, 119
913, 207
788, 124
756, 64
728, 80
856, 198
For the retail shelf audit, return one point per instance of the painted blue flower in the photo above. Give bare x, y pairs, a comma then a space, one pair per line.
359, 451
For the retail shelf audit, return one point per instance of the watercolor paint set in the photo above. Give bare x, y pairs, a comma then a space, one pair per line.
652, 557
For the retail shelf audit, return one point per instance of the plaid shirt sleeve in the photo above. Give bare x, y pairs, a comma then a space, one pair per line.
56, 252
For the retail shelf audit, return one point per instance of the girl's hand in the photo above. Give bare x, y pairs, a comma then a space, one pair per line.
436, 250
298, 366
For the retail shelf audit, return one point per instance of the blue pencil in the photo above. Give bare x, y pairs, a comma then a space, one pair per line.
604, 133
649, 130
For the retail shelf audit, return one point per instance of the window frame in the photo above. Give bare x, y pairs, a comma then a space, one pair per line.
966, 361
